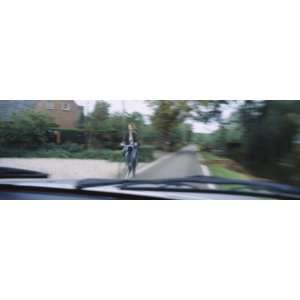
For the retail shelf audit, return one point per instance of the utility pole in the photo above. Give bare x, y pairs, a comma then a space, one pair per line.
90, 107
122, 169
123, 107
124, 117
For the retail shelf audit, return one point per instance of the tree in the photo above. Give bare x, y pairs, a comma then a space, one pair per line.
207, 110
149, 135
100, 114
96, 122
186, 130
26, 130
270, 127
135, 118
169, 114
81, 120
108, 130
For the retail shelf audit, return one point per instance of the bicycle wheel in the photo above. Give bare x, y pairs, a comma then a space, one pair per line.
134, 160
123, 167
123, 170
129, 164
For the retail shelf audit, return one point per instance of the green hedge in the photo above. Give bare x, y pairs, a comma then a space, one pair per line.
68, 135
146, 153
75, 151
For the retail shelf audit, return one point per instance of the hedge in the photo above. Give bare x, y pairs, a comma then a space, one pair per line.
68, 135
75, 151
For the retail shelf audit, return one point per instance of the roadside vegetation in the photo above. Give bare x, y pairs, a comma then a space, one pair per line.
261, 136
74, 151
98, 134
224, 167
31, 134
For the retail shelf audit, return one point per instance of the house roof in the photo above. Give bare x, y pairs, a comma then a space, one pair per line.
9, 107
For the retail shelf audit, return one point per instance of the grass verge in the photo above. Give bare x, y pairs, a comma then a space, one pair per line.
224, 167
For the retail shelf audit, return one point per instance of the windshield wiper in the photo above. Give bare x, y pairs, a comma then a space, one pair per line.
129, 184
191, 182
6, 172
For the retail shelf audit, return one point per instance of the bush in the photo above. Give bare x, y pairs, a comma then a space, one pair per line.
116, 156
69, 136
27, 130
90, 154
146, 153
49, 153
76, 151
72, 147
8, 152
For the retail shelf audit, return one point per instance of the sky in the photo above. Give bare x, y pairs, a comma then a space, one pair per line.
142, 107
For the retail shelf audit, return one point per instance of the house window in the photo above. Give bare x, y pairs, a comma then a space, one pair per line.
50, 105
66, 106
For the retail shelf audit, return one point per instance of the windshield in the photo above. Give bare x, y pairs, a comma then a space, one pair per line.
149, 140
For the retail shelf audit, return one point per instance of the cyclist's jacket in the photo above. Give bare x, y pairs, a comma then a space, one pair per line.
127, 139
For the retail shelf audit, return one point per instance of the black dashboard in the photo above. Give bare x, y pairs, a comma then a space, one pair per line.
41, 193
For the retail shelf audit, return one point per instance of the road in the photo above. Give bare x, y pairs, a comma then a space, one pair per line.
60, 168
180, 164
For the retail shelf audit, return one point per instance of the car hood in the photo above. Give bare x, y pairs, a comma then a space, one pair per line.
71, 184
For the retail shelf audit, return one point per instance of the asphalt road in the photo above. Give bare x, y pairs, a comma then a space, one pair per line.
180, 164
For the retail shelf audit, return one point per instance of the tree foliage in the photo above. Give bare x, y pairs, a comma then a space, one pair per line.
270, 127
169, 114
265, 132
166, 117
27, 130
96, 120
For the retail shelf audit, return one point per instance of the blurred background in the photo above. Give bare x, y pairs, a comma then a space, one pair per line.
236, 139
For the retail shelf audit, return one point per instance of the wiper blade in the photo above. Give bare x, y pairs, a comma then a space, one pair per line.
95, 182
252, 183
124, 184
6, 172
190, 182
91, 182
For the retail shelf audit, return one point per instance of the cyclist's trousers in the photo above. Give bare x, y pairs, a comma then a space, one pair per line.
133, 156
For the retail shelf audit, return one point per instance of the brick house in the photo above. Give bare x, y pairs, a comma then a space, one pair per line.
65, 113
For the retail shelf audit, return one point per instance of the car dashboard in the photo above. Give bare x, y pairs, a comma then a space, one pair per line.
65, 190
